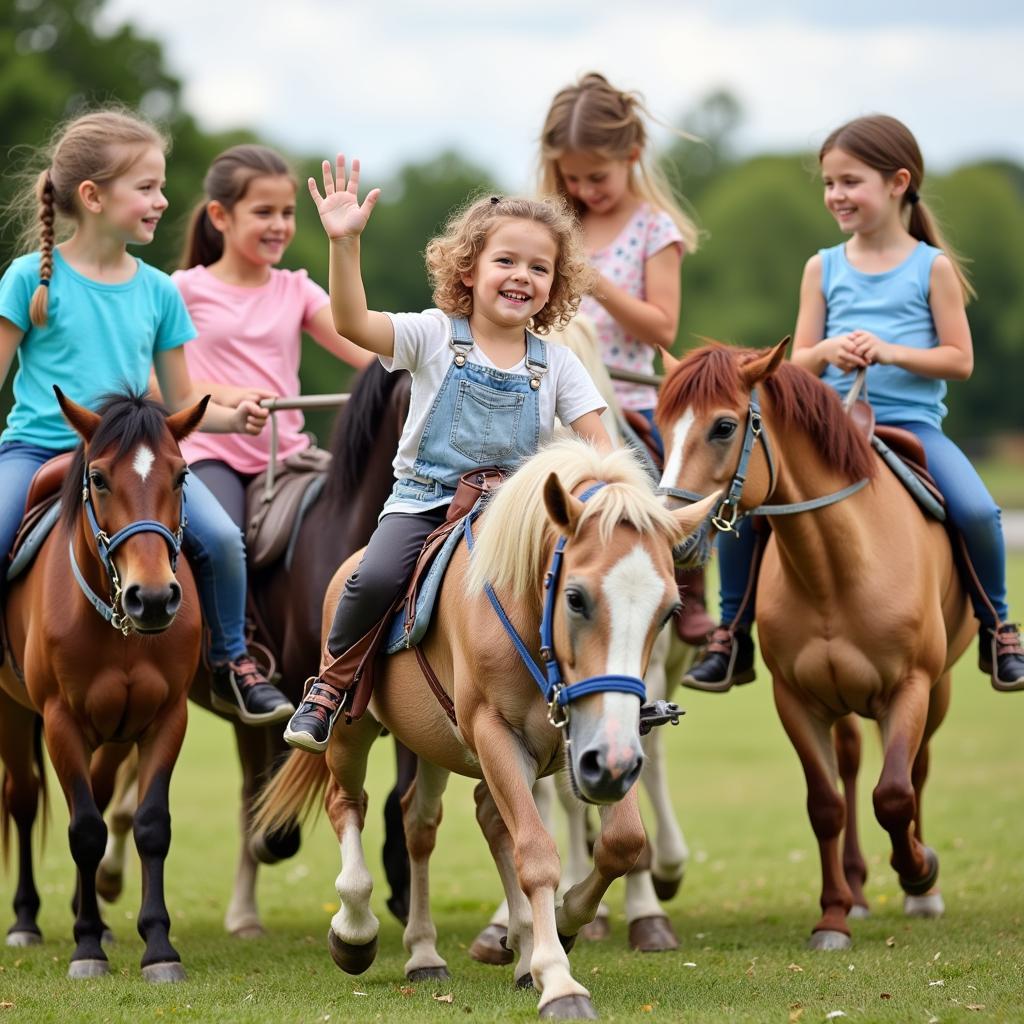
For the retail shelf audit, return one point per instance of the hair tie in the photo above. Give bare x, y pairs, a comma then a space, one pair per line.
495, 200
44, 282
912, 197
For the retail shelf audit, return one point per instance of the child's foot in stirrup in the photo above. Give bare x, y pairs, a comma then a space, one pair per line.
728, 660
240, 688
310, 727
1001, 656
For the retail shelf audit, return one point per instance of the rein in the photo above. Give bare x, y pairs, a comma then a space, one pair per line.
728, 513
556, 692
106, 546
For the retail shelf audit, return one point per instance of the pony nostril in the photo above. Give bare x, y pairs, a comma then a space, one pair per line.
131, 601
634, 773
174, 599
591, 767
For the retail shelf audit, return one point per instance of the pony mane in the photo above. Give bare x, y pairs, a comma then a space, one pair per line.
127, 418
516, 532
710, 376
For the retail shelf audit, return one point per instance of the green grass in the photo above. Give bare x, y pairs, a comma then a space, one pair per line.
1004, 477
743, 915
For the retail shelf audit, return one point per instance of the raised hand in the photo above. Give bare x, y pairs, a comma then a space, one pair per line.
340, 211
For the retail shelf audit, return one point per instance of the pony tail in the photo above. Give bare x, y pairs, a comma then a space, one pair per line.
38, 310
925, 228
204, 244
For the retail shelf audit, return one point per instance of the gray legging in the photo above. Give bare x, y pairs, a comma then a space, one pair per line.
228, 487
383, 572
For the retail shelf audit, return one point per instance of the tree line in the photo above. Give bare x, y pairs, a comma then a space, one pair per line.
762, 216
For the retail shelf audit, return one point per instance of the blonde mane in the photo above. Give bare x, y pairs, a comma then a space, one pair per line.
515, 532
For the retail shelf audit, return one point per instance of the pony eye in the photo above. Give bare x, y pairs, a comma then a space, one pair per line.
723, 430
97, 480
576, 602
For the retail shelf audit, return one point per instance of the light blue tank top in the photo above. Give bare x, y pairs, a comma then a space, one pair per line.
894, 306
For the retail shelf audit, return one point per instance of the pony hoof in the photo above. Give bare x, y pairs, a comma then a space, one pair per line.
79, 969
524, 981
929, 905
858, 912
666, 888
428, 974
829, 940
489, 946
109, 884
652, 935
157, 974
918, 887
350, 958
248, 931
108, 938
567, 941
597, 931
24, 938
569, 1008
277, 845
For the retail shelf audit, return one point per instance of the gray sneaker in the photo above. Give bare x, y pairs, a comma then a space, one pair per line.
310, 727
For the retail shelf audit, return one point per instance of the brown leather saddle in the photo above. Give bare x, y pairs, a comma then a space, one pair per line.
43, 494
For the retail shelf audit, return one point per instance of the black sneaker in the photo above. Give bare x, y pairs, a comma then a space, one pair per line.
728, 660
1001, 656
240, 688
310, 727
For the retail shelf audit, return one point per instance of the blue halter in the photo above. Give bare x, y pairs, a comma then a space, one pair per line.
556, 692
106, 546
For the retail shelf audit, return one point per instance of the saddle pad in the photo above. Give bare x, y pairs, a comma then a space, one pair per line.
32, 541
430, 587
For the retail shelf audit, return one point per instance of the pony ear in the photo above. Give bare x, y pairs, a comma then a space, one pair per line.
84, 421
563, 509
182, 423
765, 364
669, 361
690, 517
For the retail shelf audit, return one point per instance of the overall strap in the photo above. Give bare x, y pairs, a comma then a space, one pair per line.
536, 359
461, 342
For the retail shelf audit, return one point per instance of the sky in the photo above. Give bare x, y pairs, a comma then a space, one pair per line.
392, 81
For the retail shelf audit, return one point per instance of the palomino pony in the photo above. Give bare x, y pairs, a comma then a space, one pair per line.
859, 605
289, 600
601, 604
97, 687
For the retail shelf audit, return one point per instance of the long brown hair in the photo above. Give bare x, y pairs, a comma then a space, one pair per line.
888, 146
226, 182
98, 147
592, 116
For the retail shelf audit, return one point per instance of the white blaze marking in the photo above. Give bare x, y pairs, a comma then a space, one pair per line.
674, 462
143, 461
634, 590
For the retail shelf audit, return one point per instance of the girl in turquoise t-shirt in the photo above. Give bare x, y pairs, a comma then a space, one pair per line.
91, 318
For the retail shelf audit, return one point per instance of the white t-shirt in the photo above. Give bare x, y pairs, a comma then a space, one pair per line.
421, 347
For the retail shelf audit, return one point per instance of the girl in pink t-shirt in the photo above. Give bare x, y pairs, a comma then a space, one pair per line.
249, 316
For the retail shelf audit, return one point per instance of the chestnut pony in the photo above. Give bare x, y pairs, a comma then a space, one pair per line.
99, 690
606, 604
859, 605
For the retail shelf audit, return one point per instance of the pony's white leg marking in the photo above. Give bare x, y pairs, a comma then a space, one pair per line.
242, 917
110, 874
500, 916
143, 461
674, 462
422, 816
354, 922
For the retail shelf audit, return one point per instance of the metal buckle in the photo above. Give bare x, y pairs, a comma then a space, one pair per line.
722, 524
554, 709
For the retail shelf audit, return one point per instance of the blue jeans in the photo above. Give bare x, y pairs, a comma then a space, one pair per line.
648, 414
970, 509
212, 542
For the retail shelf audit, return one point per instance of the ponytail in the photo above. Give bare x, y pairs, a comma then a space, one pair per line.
925, 228
39, 307
204, 244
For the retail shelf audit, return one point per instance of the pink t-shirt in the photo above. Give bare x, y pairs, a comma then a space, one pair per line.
249, 337
622, 261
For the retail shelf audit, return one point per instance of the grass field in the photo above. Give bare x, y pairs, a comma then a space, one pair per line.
743, 915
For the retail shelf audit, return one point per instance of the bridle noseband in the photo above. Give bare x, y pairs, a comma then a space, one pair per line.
728, 514
113, 611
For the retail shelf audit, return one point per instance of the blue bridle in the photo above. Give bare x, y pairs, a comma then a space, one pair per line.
557, 693
106, 546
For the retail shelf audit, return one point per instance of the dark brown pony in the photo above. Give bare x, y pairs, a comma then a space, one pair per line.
859, 605
95, 686
288, 602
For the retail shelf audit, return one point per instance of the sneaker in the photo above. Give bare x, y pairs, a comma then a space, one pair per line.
1001, 656
240, 688
728, 660
310, 727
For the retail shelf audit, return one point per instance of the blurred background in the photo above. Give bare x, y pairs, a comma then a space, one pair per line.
444, 99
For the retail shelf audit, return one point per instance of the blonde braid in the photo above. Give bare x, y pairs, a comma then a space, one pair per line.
41, 298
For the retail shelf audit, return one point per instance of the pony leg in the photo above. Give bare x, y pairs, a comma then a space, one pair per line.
846, 735
242, 917
518, 918
811, 736
125, 801
395, 856
87, 836
422, 815
352, 937
159, 747
22, 786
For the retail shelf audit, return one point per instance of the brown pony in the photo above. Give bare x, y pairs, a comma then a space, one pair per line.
614, 592
859, 605
95, 686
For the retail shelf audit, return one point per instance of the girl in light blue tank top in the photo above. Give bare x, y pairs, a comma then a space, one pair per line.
891, 299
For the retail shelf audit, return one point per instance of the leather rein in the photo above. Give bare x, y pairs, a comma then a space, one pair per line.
728, 514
